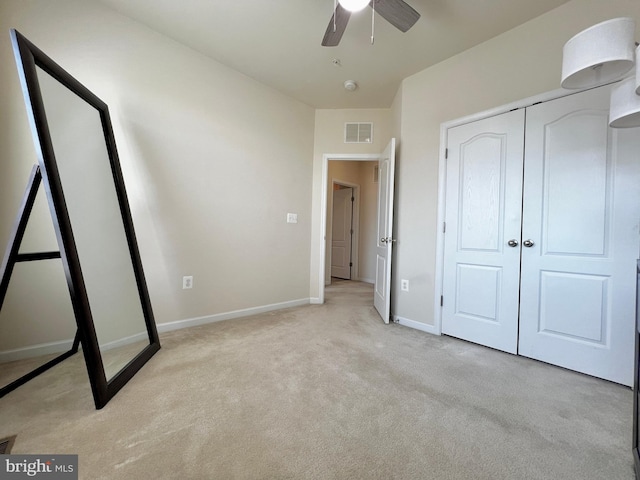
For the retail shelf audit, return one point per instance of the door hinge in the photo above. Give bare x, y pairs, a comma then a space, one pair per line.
444, 227
446, 153
350, 264
441, 300
351, 232
353, 199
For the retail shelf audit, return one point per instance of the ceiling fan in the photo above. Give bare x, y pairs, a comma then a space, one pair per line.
397, 12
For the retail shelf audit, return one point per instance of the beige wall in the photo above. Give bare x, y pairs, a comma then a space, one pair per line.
520, 63
213, 162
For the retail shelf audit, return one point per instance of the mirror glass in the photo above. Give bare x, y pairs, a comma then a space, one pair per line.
82, 159
30, 335
34, 335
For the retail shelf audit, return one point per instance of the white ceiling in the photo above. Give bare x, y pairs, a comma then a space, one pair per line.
277, 42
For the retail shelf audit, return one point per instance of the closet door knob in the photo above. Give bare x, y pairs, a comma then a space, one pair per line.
512, 243
528, 243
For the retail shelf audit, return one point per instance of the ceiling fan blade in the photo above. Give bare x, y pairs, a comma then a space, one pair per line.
332, 38
398, 13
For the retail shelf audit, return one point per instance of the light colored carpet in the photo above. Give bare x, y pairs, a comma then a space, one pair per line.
328, 392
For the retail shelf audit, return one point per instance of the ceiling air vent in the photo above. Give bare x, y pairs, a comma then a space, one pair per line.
358, 132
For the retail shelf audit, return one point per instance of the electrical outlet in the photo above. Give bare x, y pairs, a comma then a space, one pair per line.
404, 285
187, 282
292, 218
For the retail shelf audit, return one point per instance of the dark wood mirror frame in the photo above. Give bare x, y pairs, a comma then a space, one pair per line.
28, 57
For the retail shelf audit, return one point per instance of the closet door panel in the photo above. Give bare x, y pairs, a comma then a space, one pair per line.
580, 213
483, 212
576, 188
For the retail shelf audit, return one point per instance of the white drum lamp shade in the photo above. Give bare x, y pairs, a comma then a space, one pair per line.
624, 111
600, 54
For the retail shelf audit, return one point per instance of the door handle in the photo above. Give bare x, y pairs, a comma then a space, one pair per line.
512, 243
387, 240
383, 240
528, 243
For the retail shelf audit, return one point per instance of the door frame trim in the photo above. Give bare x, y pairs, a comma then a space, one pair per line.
326, 158
442, 179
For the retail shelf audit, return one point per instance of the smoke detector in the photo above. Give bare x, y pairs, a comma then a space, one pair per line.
350, 85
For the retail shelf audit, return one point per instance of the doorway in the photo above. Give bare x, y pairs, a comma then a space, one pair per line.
348, 246
380, 222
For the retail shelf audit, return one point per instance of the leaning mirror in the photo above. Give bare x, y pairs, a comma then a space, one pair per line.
85, 189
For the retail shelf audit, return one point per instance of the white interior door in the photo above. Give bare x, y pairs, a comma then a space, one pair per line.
341, 233
482, 236
384, 240
580, 231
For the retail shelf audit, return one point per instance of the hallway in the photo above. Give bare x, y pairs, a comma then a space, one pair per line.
348, 292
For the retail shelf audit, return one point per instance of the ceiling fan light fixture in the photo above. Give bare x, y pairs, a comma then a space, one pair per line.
625, 105
600, 54
353, 5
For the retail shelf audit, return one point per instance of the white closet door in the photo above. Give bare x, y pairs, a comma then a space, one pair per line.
483, 213
580, 212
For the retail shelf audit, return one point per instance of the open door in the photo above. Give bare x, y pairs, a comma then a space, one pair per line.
384, 239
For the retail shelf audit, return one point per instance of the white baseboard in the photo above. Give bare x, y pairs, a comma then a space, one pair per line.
121, 342
192, 322
417, 325
36, 351
315, 301
65, 345
367, 280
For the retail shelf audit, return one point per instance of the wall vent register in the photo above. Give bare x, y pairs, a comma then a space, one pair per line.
358, 132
